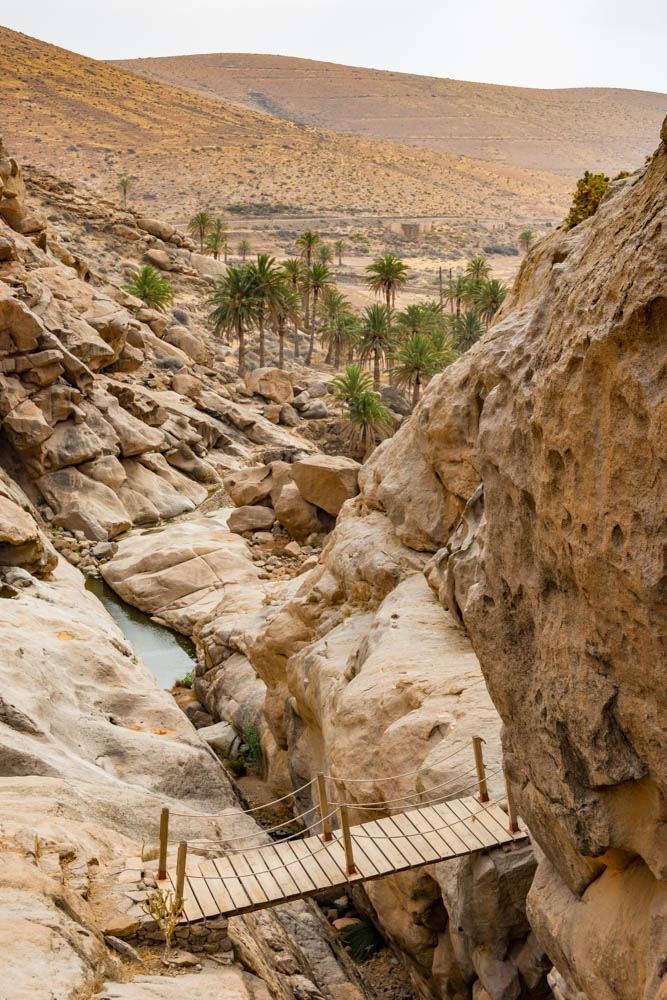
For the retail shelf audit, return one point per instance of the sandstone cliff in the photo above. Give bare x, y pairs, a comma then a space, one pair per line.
556, 568
529, 487
500, 567
95, 437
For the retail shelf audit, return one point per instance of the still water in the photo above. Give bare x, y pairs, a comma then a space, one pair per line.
167, 654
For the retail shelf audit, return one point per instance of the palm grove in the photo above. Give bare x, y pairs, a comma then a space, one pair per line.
300, 296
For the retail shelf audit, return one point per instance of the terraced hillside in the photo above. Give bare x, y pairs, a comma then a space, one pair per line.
566, 131
93, 122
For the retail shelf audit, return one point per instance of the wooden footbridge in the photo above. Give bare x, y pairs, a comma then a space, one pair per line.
298, 866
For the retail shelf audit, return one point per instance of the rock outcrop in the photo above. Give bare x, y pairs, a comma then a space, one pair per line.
495, 570
101, 452
90, 751
528, 487
111, 418
554, 567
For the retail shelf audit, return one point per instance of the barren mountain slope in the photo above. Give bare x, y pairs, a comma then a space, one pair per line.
566, 131
93, 122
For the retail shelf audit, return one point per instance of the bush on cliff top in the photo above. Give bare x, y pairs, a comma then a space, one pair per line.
587, 197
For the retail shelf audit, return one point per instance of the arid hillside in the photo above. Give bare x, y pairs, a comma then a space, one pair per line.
93, 122
566, 131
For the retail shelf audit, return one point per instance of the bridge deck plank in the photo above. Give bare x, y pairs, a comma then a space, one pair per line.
281, 871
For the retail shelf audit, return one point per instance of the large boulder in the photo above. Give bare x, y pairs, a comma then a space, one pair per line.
134, 436
180, 574
185, 341
327, 480
250, 485
84, 504
162, 230
21, 542
161, 259
296, 515
78, 439
251, 519
272, 383
13, 208
20, 328
207, 267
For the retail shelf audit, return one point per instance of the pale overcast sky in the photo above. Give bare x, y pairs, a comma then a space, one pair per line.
537, 43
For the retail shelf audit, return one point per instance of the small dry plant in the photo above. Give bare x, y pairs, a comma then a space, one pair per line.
165, 909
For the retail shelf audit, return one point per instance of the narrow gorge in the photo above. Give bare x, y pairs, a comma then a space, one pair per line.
495, 568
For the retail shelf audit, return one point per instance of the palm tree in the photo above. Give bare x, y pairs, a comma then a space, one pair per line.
478, 269
488, 298
525, 239
338, 323
385, 275
416, 319
443, 336
286, 308
455, 291
244, 249
324, 254
234, 307
199, 225
270, 287
307, 243
368, 419
339, 246
124, 183
467, 329
293, 270
376, 338
315, 281
417, 360
149, 286
353, 381
215, 244
220, 229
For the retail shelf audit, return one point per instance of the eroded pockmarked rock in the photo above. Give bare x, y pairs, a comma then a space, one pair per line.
554, 566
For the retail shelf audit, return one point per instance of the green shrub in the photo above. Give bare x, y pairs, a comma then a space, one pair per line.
587, 197
362, 940
149, 286
252, 749
185, 681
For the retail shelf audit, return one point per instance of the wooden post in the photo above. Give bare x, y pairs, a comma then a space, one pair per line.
180, 869
514, 823
164, 838
351, 868
440, 284
479, 764
325, 818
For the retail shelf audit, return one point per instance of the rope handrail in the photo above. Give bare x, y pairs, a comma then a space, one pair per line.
394, 777
204, 843
439, 801
331, 777
230, 852
266, 805
261, 830
411, 795
325, 847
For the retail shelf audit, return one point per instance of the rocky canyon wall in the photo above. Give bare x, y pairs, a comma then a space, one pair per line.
556, 569
90, 748
528, 490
